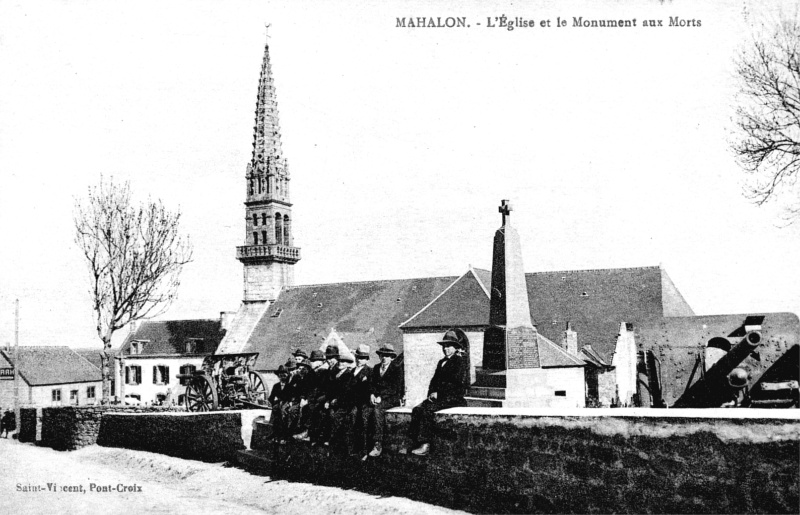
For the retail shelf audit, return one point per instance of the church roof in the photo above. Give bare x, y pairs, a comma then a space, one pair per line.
594, 301
170, 337
40, 366
303, 316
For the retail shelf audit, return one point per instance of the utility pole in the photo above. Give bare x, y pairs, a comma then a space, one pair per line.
16, 362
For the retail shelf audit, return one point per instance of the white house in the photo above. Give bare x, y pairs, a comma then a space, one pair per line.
152, 356
49, 376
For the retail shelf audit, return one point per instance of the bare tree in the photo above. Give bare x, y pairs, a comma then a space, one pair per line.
135, 254
768, 119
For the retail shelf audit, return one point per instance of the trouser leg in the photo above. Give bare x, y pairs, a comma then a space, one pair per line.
275, 420
422, 421
378, 424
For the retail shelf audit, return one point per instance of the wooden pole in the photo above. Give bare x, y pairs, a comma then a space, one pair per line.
16, 361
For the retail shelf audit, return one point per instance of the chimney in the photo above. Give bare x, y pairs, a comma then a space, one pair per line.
225, 319
569, 341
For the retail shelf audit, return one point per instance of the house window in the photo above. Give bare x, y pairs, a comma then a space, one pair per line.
136, 347
90, 392
73, 396
160, 374
133, 374
186, 369
56, 395
561, 393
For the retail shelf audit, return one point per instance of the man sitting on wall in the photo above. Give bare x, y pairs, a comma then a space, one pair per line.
278, 397
315, 397
445, 391
385, 393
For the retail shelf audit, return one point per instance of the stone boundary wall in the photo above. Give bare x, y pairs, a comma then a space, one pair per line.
576, 461
68, 428
214, 436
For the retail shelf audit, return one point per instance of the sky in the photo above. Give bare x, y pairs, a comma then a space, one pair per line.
612, 143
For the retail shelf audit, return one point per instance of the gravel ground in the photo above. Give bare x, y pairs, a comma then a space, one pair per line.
163, 484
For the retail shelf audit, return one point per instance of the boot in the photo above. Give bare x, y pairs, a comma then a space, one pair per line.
422, 450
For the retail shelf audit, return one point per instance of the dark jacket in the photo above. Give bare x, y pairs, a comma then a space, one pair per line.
448, 381
338, 386
280, 393
388, 386
360, 387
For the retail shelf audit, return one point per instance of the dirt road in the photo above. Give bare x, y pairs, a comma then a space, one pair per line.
95, 480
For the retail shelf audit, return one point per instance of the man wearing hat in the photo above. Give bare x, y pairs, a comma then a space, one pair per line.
299, 355
277, 398
386, 384
360, 400
301, 384
338, 401
310, 413
327, 377
445, 391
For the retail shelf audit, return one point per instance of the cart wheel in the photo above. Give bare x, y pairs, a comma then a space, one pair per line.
201, 395
258, 389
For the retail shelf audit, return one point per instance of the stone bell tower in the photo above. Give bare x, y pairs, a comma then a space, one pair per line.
268, 253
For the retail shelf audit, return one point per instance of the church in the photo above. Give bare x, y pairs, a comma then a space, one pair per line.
578, 338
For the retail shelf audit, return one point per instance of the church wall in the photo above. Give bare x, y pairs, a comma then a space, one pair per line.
607, 387
542, 386
624, 362
264, 282
420, 355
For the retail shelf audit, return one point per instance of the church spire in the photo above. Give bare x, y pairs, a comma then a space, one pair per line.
268, 253
267, 135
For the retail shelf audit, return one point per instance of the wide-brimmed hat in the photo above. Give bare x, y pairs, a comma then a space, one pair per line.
347, 358
291, 364
305, 363
300, 352
317, 355
282, 370
332, 352
387, 349
362, 352
450, 338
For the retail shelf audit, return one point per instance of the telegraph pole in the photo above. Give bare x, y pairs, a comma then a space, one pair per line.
16, 362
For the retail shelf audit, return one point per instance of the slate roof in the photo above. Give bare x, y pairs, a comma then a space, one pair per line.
170, 336
595, 301
40, 366
553, 356
92, 355
303, 316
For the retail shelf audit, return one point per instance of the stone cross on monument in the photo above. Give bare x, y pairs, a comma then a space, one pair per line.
510, 340
505, 209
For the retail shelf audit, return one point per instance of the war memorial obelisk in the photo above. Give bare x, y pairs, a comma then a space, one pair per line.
521, 368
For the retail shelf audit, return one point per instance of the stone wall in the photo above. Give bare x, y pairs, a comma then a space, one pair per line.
603, 461
70, 428
214, 436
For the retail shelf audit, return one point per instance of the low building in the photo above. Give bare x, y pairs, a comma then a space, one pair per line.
49, 376
149, 361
